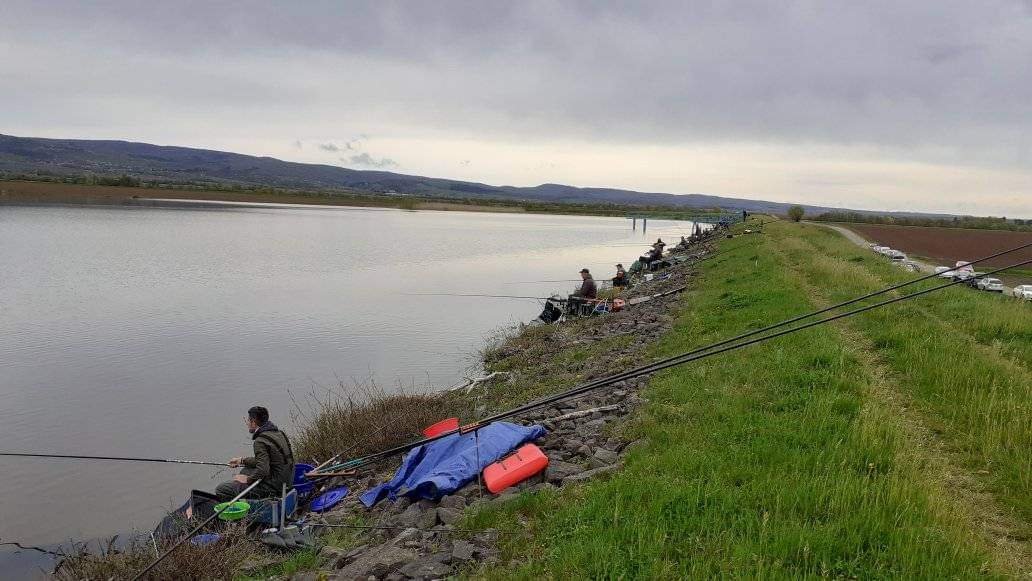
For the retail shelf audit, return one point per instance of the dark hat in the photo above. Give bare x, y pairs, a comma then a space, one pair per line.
619, 265
585, 271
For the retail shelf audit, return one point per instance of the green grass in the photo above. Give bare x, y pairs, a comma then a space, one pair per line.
964, 356
777, 460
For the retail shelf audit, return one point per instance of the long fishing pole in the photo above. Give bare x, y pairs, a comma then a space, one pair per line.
701, 353
190, 534
709, 352
117, 458
619, 377
652, 368
480, 295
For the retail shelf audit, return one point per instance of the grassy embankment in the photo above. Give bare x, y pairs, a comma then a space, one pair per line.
891, 444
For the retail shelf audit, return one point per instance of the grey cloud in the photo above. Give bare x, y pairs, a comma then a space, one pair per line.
328, 147
945, 82
662, 71
367, 160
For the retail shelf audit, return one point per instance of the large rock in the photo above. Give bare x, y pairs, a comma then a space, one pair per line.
426, 569
415, 516
335, 556
448, 516
558, 471
454, 501
463, 550
589, 474
607, 456
379, 562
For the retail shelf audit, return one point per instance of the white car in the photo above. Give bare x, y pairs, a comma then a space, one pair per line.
896, 255
880, 249
993, 285
1023, 291
944, 272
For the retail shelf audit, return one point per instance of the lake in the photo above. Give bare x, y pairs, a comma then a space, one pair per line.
149, 331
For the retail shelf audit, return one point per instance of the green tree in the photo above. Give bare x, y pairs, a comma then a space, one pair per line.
796, 213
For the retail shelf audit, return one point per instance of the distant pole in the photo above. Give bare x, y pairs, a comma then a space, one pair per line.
644, 225
634, 224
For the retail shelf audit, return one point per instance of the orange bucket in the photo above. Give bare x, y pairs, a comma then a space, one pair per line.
441, 427
521, 465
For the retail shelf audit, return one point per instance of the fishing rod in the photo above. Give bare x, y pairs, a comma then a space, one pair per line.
190, 534
700, 353
480, 295
709, 351
117, 458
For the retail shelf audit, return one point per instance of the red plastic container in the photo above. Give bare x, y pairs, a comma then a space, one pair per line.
521, 465
441, 427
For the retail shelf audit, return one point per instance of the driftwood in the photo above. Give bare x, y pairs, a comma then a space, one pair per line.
582, 413
471, 383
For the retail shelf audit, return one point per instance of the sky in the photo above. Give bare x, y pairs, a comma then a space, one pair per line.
896, 105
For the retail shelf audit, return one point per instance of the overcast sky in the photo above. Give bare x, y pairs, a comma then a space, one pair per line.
898, 105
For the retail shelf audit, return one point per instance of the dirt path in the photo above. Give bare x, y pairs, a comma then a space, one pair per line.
963, 497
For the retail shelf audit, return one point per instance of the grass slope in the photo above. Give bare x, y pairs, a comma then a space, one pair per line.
794, 458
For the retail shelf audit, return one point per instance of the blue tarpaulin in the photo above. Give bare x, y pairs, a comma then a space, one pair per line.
446, 465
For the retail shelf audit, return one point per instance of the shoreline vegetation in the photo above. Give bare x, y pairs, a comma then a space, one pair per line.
522, 364
891, 444
129, 191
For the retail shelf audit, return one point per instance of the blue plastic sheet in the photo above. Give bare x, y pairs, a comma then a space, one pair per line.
443, 466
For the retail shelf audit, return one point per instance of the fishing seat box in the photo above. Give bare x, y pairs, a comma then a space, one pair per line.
525, 462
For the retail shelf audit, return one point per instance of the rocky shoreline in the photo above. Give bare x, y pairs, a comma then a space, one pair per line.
425, 539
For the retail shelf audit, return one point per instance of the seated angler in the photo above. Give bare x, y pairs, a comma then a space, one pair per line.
273, 461
620, 280
585, 295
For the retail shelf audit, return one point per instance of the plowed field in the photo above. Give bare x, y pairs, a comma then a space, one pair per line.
948, 245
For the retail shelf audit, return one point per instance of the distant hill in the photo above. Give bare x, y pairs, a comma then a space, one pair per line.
32, 155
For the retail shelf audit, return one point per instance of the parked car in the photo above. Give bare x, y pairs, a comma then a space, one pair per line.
944, 272
973, 279
896, 255
909, 266
993, 285
1023, 291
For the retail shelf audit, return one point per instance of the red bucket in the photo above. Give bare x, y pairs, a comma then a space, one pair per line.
441, 427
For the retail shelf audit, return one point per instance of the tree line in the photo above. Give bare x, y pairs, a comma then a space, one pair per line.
974, 222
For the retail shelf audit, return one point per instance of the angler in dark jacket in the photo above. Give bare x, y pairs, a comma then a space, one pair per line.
273, 461
587, 290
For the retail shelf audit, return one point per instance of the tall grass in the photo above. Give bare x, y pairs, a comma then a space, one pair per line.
769, 462
964, 357
218, 560
365, 418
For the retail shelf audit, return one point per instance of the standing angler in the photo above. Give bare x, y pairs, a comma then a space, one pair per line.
273, 460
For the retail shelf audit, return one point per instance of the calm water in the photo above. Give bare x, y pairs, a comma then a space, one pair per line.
149, 331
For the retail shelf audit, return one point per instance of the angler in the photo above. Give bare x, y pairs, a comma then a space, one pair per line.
272, 463
620, 280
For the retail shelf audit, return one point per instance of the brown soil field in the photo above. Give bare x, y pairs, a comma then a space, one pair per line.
948, 245
18, 192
